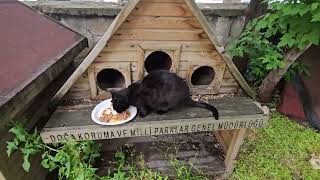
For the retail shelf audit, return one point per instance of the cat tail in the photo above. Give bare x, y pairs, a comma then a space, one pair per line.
214, 111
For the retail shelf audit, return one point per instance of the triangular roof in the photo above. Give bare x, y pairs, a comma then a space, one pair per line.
122, 16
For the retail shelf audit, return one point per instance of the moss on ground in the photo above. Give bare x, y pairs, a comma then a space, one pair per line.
280, 151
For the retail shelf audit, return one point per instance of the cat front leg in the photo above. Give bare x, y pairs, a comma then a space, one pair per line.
163, 108
143, 111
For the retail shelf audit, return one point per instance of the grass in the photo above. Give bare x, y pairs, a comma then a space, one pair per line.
280, 151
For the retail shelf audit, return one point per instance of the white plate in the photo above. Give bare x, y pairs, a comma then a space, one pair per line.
97, 111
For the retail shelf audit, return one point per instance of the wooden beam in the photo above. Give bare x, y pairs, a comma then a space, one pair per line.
156, 22
161, 9
95, 51
140, 60
176, 60
131, 45
233, 149
75, 121
92, 83
160, 34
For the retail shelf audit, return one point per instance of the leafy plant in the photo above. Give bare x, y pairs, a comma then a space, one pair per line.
72, 159
186, 171
290, 24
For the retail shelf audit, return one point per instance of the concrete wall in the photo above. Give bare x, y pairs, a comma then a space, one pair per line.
91, 19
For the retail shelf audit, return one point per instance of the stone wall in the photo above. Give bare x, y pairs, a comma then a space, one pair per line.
91, 19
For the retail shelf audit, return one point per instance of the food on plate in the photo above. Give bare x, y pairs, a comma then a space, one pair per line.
107, 116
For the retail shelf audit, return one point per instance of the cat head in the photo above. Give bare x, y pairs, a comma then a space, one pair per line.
120, 101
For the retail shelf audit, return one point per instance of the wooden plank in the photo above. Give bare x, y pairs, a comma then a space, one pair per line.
227, 137
176, 60
160, 34
161, 9
78, 95
183, 74
228, 82
82, 84
96, 132
160, 22
219, 138
127, 45
163, 1
227, 74
229, 89
117, 56
233, 149
75, 121
127, 75
219, 72
80, 87
93, 83
211, 57
95, 51
140, 62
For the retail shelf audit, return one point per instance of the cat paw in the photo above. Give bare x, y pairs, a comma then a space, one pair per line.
142, 115
143, 111
161, 112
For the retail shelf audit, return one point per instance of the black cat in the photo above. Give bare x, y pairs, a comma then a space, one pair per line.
160, 91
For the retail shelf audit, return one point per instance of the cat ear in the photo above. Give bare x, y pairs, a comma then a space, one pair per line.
112, 92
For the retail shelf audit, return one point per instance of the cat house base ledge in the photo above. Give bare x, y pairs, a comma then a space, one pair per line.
75, 121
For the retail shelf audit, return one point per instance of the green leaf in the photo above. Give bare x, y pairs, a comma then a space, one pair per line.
30, 151
52, 166
45, 163
316, 18
60, 156
314, 5
80, 176
19, 132
269, 66
303, 43
26, 163
282, 64
11, 146
286, 40
304, 10
314, 37
68, 169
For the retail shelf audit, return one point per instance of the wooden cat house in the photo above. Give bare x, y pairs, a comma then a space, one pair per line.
158, 34
145, 36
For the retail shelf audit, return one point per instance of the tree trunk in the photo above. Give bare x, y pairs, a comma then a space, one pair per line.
272, 79
256, 8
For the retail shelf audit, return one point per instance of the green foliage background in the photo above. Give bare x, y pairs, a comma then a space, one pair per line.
289, 24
